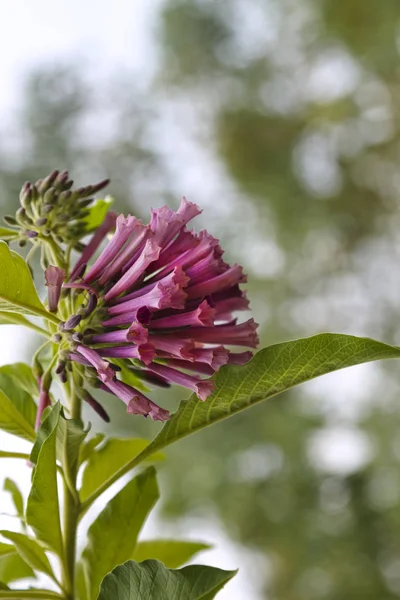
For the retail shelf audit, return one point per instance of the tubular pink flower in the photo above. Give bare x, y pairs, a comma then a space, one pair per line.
136, 402
150, 252
202, 316
54, 277
101, 232
125, 227
102, 367
161, 296
203, 388
44, 402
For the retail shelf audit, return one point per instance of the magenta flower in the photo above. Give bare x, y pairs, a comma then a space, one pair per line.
161, 297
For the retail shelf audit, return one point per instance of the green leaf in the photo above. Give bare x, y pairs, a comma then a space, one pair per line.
10, 318
18, 501
173, 553
70, 435
17, 290
17, 409
48, 425
97, 212
31, 552
8, 234
21, 374
112, 537
12, 566
104, 462
42, 512
3, 586
151, 580
272, 371
89, 447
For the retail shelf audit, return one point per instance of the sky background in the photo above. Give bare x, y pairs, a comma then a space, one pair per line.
117, 37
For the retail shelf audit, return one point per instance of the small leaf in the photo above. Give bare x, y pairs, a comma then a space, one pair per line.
42, 512
17, 290
151, 580
8, 234
31, 552
112, 537
89, 447
173, 553
17, 415
97, 212
18, 501
12, 566
104, 462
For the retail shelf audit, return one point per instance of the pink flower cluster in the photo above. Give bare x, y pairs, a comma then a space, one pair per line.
167, 299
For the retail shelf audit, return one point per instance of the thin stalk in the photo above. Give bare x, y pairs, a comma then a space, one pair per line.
71, 506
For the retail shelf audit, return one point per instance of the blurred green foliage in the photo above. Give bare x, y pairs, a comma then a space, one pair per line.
296, 105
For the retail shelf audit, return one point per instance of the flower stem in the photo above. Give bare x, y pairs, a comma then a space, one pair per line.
71, 506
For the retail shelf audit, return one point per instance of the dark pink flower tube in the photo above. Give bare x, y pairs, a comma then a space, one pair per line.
54, 277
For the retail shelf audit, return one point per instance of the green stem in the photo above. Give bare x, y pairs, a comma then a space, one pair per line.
71, 506
21, 594
6, 454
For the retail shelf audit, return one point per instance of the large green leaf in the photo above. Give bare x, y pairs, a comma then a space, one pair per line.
151, 580
17, 290
18, 501
271, 371
112, 537
104, 462
172, 553
12, 566
42, 512
31, 552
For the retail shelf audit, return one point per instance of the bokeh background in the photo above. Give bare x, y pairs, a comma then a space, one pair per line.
281, 118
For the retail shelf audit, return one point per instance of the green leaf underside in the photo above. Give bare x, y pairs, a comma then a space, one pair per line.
30, 551
97, 212
12, 566
18, 501
172, 553
104, 462
42, 512
272, 371
151, 580
17, 290
112, 537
